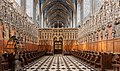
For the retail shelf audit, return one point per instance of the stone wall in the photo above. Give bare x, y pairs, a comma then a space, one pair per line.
14, 22
100, 27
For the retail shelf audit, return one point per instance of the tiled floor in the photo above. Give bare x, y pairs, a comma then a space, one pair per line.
58, 63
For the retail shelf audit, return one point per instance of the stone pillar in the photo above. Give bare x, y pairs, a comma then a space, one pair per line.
71, 24
23, 4
45, 22
41, 20
92, 13
92, 7
40, 17
75, 18
34, 10
81, 11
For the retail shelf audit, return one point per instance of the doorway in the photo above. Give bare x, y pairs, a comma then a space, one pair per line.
58, 46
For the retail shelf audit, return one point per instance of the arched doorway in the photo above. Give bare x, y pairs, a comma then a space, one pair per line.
58, 45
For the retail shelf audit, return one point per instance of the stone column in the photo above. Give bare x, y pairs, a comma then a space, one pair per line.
92, 7
41, 20
81, 11
34, 11
23, 4
74, 18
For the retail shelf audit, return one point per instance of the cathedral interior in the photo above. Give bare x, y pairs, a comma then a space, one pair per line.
59, 35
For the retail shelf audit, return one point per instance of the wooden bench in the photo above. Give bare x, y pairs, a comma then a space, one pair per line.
88, 57
116, 62
11, 60
98, 59
5, 63
0, 62
25, 58
85, 56
116, 66
31, 56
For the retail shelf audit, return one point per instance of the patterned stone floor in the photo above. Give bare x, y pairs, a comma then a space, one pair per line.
58, 63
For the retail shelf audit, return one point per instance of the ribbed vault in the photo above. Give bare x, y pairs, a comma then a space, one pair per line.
58, 13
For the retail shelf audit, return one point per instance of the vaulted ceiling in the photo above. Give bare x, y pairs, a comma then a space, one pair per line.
58, 13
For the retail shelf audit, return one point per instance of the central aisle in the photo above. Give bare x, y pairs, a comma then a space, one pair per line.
58, 63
